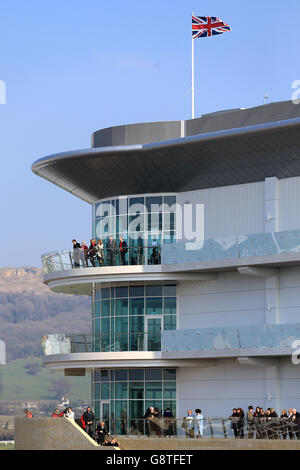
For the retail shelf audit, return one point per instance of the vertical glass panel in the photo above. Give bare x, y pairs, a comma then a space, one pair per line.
153, 202
136, 306
153, 374
105, 375
105, 293
121, 324
136, 374
170, 322
169, 221
121, 374
104, 390
154, 335
136, 409
105, 308
154, 222
154, 291
170, 305
121, 390
169, 374
154, 306
170, 390
170, 200
170, 291
136, 390
121, 307
105, 325
97, 391
136, 291
97, 309
121, 291
153, 390
135, 200
121, 224
121, 417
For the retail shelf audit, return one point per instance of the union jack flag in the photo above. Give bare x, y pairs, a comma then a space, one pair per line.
203, 26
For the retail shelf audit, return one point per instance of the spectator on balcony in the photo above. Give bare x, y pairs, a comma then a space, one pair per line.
89, 418
111, 248
188, 424
284, 417
250, 422
76, 253
168, 422
198, 423
92, 252
155, 256
234, 422
123, 248
28, 413
240, 422
85, 253
99, 249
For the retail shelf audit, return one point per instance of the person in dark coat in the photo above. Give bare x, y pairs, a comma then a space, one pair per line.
168, 423
123, 248
111, 248
76, 253
89, 418
101, 433
234, 422
92, 252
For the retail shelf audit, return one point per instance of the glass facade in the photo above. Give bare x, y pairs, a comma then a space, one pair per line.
143, 221
130, 317
121, 397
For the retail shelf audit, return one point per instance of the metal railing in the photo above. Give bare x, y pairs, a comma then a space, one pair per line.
258, 428
77, 259
106, 342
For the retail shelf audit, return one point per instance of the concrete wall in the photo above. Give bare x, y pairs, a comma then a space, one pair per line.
52, 434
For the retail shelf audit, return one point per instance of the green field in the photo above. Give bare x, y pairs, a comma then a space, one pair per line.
18, 385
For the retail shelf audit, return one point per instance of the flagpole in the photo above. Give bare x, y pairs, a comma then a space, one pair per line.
193, 79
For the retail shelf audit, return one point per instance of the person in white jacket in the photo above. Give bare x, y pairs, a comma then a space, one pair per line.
198, 420
70, 413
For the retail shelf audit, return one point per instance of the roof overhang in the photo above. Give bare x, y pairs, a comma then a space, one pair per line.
220, 158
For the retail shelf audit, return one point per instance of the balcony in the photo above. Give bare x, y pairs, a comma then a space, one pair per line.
87, 343
260, 248
75, 259
258, 340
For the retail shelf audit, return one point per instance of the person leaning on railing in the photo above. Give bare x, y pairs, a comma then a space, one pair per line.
76, 253
111, 248
188, 424
99, 250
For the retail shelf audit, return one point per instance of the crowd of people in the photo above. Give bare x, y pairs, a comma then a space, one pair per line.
255, 424
265, 424
98, 254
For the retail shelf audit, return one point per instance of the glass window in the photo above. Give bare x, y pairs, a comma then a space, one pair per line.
169, 374
136, 410
121, 410
153, 390
105, 293
170, 322
97, 376
105, 375
105, 325
170, 200
153, 291
154, 306
170, 305
136, 306
121, 324
122, 291
136, 374
121, 390
136, 291
121, 307
153, 200
105, 308
137, 324
170, 390
121, 374
153, 374
170, 291
154, 222
105, 391
136, 390
135, 200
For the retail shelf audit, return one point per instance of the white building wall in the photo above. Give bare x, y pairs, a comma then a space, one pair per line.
229, 210
218, 389
289, 204
230, 300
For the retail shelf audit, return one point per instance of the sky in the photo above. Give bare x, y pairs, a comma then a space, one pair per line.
73, 67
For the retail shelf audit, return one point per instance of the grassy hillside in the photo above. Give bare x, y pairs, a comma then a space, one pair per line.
29, 310
18, 385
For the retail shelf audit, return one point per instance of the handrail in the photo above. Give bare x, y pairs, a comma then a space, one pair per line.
78, 258
206, 427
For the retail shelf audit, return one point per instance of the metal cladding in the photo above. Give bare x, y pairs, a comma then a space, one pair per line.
219, 149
